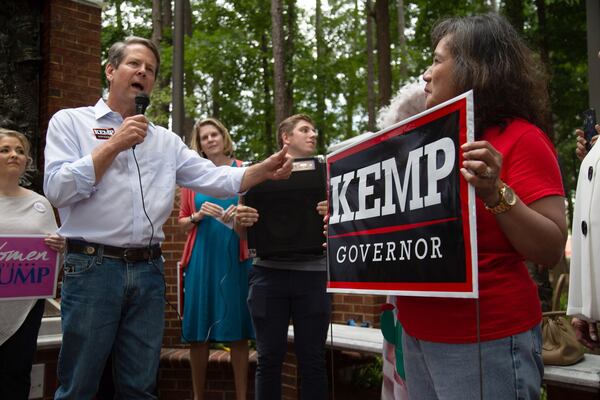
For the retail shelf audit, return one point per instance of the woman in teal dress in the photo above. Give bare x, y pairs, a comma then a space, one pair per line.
216, 274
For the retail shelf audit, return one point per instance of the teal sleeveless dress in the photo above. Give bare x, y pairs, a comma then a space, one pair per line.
216, 283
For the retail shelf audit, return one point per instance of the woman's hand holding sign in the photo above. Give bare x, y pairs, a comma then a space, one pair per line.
322, 208
56, 242
481, 168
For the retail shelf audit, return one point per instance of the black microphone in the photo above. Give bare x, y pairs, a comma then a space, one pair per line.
141, 103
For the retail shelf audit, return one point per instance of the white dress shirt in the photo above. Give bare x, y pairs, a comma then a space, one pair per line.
110, 211
584, 273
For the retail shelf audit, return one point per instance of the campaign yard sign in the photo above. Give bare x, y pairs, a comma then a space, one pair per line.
28, 267
401, 217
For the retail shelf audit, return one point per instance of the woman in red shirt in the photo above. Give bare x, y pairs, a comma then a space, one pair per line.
491, 347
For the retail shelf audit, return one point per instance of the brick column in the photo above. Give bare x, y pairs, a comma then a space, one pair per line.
172, 249
71, 66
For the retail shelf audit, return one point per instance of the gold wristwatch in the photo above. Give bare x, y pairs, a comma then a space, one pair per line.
508, 198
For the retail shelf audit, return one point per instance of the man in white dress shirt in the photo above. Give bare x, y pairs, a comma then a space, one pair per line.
112, 175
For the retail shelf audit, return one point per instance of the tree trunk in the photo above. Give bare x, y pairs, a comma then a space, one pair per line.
370, 69
189, 83
514, 11
187, 19
278, 61
401, 23
384, 58
352, 99
215, 95
543, 29
164, 77
167, 20
119, 15
289, 57
320, 84
402, 39
544, 51
267, 100
157, 22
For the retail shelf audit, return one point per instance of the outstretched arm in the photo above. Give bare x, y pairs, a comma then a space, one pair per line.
277, 166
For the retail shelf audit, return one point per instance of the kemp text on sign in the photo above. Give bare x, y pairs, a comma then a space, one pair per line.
402, 218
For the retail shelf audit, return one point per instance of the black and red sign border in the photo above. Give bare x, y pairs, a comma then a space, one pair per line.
462, 104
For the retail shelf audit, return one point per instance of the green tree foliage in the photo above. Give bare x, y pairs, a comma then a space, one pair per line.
567, 68
339, 75
229, 62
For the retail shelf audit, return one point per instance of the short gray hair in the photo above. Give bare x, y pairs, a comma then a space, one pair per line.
116, 53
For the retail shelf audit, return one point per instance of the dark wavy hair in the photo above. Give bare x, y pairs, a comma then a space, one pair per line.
490, 57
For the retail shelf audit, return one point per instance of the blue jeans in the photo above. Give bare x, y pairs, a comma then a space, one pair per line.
512, 368
274, 297
110, 305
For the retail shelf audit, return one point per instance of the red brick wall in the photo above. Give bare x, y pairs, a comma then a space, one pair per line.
361, 308
172, 249
71, 69
174, 381
289, 375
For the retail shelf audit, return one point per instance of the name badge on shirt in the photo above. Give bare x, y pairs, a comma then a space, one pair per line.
103, 133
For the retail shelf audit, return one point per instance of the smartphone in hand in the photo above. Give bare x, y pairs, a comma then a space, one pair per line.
589, 126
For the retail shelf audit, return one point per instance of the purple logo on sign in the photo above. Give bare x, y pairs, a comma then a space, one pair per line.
27, 268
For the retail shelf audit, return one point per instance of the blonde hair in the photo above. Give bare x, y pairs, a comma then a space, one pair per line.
29, 167
195, 139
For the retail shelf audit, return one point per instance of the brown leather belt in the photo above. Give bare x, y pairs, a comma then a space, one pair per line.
131, 254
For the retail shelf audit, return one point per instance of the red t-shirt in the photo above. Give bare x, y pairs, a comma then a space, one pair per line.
508, 298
